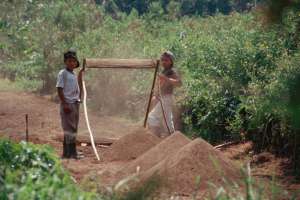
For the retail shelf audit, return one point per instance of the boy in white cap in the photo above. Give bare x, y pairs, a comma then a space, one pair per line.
161, 115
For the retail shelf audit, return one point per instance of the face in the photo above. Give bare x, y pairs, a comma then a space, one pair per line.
71, 63
166, 62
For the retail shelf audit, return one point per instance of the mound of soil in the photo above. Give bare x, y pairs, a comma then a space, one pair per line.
178, 172
164, 149
132, 145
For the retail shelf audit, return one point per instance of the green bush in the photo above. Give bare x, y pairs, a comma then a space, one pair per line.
33, 172
29, 171
221, 67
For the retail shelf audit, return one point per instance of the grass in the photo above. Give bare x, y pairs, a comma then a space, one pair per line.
20, 85
7, 85
252, 189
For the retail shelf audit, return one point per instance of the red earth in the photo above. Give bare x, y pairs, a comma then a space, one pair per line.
44, 128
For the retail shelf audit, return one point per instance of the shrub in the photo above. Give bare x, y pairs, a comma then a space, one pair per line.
33, 172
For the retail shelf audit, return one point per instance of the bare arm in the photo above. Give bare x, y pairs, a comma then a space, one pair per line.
175, 80
62, 100
61, 95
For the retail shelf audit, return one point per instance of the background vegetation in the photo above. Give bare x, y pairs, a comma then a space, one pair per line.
178, 7
241, 75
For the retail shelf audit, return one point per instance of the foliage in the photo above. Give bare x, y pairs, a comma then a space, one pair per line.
186, 7
30, 171
240, 77
34, 172
34, 34
227, 71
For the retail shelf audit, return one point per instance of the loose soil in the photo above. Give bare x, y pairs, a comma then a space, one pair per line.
164, 149
44, 119
196, 159
132, 145
165, 158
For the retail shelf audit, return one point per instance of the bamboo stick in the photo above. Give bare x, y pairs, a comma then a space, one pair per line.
87, 120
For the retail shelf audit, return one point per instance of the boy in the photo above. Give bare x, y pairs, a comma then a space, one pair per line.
168, 80
69, 90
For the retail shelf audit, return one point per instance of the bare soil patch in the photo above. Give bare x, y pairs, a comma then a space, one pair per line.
195, 159
176, 158
132, 145
164, 149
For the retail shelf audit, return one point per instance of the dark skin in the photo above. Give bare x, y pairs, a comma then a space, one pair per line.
70, 64
166, 63
175, 80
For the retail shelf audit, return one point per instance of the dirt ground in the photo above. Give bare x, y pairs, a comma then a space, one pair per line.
44, 128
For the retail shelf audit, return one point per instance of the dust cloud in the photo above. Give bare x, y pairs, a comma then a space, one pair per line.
119, 92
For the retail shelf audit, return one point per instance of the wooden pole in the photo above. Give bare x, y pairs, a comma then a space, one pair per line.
27, 132
151, 93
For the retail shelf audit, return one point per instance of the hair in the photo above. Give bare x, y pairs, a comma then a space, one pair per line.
168, 56
71, 54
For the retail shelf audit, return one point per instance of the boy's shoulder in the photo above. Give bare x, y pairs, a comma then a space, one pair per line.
65, 72
62, 71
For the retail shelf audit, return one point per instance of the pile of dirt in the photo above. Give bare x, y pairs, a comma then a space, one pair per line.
196, 159
176, 162
164, 149
132, 145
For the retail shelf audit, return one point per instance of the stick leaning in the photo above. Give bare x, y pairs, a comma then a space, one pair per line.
87, 120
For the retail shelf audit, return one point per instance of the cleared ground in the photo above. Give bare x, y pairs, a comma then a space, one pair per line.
44, 128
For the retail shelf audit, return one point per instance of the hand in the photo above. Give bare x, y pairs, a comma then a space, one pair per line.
163, 79
155, 98
80, 74
81, 70
66, 108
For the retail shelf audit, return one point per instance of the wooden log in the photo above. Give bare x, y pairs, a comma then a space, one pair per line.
119, 63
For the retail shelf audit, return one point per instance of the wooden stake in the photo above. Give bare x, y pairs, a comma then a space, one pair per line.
27, 132
151, 93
